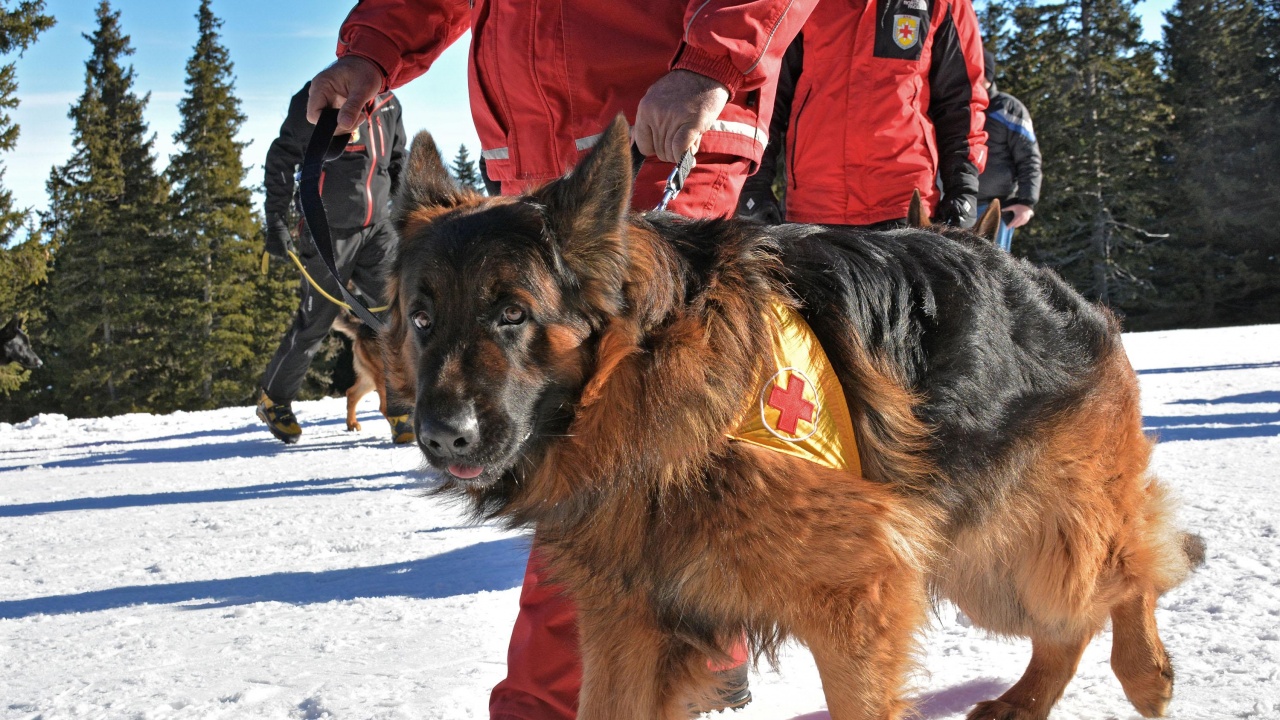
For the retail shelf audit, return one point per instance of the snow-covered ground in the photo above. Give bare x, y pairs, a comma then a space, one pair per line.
190, 566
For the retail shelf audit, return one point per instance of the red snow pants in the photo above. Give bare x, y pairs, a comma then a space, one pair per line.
544, 669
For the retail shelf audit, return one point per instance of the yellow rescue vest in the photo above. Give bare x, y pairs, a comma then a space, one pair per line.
800, 408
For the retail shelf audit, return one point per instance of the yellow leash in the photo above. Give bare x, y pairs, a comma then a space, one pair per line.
315, 284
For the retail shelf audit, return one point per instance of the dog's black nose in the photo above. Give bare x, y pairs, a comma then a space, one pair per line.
450, 437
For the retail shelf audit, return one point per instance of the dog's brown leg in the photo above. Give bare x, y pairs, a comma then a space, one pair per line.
1053, 664
863, 650
1138, 658
357, 391
628, 668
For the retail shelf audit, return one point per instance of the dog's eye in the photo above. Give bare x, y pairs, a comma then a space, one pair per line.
421, 320
513, 315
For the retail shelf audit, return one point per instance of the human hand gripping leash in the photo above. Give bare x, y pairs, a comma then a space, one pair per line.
322, 147
675, 181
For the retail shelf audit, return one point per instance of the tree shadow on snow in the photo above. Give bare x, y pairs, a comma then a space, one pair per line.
486, 566
295, 488
245, 448
1210, 368
1229, 425
1269, 396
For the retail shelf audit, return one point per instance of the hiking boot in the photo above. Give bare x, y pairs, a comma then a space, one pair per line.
401, 429
734, 692
279, 419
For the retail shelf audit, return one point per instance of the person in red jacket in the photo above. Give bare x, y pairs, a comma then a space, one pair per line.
545, 80
875, 100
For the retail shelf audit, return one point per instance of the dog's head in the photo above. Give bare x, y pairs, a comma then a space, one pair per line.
496, 304
17, 346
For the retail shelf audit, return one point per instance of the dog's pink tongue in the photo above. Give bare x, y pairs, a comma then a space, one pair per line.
465, 472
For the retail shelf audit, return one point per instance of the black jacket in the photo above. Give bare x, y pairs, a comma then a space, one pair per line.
1013, 158
358, 186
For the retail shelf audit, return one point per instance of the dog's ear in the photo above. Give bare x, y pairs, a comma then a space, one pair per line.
10, 330
989, 224
425, 183
916, 216
586, 211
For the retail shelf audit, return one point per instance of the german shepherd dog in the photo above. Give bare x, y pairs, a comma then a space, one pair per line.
366, 361
578, 368
15, 346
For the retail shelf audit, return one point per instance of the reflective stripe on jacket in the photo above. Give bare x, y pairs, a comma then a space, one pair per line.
1013, 171
546, 78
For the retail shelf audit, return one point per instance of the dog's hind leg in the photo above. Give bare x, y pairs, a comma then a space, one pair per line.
1053, 664
1138, 657
357, 391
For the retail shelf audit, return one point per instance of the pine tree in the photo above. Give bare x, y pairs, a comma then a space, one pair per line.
1223, 217
218, 238
22, 265
1091, 85
464, 170
108, 221
996, 18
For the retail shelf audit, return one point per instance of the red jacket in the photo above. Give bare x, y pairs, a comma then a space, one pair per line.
547, 78
890, 96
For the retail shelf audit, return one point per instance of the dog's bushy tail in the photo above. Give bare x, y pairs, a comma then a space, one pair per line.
1193, 547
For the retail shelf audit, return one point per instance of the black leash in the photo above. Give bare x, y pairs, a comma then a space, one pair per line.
325, 146
675, 181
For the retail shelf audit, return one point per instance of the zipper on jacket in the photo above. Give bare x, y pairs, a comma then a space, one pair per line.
792, 134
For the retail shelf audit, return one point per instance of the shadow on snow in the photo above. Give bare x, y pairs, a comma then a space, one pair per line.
486, 566
1210, 368
243, 448
942, 703
295, 488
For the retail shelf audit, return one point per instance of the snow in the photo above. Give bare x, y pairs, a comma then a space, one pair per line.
191, 566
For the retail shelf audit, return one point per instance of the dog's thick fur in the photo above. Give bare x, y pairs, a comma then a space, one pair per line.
15, 346
366, 361
576, 369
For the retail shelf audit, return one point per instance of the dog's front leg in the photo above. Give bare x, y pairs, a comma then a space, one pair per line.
629, 668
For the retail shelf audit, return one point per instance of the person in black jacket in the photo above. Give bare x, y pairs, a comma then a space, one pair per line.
357, 188
1013, 163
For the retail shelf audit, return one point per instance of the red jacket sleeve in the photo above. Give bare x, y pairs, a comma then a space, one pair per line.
403, 37
739, 44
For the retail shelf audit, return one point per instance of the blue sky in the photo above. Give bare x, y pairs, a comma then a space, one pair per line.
276, 46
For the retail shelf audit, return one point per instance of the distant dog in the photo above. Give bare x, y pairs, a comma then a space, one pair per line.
366, 359
17, 346
611, 380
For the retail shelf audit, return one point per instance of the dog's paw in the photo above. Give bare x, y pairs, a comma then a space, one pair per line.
353, 427
1000, 710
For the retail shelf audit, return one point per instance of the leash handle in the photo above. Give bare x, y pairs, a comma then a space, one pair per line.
675, 181
322, 147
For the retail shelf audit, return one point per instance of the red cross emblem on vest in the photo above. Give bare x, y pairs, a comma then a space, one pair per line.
790, 402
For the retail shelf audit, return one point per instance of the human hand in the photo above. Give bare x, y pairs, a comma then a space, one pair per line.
956, 210
675, 112
349, 84
278, 239
1022, 215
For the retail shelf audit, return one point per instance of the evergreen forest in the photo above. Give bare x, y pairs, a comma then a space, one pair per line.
145, 290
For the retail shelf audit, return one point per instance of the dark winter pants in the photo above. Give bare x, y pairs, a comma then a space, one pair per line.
362, 255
